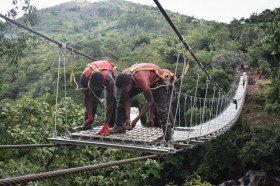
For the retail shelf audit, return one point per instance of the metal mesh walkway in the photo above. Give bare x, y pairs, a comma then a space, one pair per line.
219, 124
136, 136
151, 139
142, 139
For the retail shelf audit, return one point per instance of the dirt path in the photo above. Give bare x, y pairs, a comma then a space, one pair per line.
256, 82
255, 88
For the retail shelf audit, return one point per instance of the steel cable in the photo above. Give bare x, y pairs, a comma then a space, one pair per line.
47, 38
63, 172
30, 146
183, 40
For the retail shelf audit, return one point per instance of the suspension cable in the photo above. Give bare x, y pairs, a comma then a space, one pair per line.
20, 146
171, 96
204, 104
63, 172
186, 66
44, 36
205, 98
185, 105
63, 46
212, 103
200, 112
183, 41
217, 109
194, 98
65, 85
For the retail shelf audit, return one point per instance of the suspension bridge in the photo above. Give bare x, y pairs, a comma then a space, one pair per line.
197, 121
222, 116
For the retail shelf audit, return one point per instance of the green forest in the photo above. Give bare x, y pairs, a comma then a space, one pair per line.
127, 33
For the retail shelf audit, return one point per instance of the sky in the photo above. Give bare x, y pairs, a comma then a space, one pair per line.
217, 10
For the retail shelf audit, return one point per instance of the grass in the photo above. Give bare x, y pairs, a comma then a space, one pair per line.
254, 113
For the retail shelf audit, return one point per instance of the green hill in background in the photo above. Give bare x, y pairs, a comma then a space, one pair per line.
128, 33
120, 31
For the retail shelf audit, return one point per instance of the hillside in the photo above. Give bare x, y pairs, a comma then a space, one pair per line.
117, 30
128, 33
97, 18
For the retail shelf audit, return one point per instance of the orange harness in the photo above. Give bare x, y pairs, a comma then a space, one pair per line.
134, 69
96, 69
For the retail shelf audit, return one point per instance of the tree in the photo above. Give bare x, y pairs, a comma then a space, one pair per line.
1, 85
247, 38
220, 37
271, 42
228, 60
12, 41
29, 121
272, 37
265, 16
199, 39
235, 28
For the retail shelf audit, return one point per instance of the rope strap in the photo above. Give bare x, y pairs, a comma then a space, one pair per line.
72, 74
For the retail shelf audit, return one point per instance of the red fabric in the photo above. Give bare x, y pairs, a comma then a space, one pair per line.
90, 117
144, 78
88, 121
99, 64
105, 130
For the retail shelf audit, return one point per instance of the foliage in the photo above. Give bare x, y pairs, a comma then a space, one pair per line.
226, 157
196, 181
265, 16
194, 115
112, 37
128, 33
199, 80
272, 39
248, 38
270, 43
229, 60
30, 121
12, 42
2, 85
263, 145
